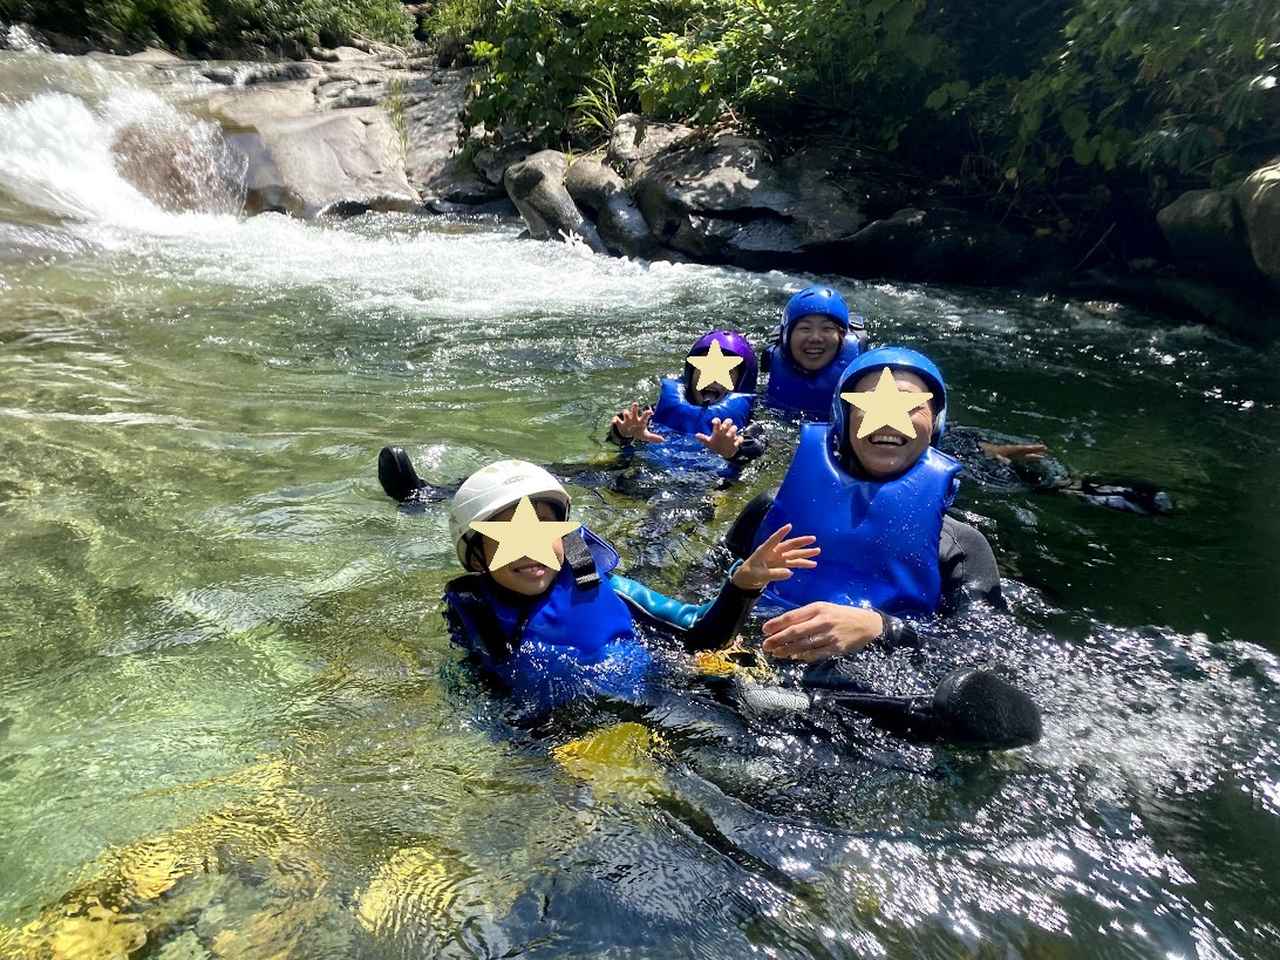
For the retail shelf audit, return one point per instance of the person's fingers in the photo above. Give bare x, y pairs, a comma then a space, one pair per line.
800, 542
776, 537
790, 618
798, 648
795, 633
703, 438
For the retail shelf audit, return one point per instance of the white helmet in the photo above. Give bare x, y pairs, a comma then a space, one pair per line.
492, 489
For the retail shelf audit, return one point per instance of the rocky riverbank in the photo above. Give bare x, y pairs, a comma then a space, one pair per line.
377, 128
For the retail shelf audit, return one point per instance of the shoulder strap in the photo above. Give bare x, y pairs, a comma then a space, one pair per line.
580, 560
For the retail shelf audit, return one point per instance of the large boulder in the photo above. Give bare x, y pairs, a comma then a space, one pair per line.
307, 154
724, 200
1206, 234
634, 141
433, 110
340, 162
1259, 199
934, 245
599, 191
536, 187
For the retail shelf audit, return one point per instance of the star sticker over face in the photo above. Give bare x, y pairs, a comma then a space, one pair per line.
886, 406
715, 367
524, 535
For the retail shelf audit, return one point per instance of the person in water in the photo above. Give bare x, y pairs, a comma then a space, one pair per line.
690, 430
548, 636
817, 339
877, 503
688, 420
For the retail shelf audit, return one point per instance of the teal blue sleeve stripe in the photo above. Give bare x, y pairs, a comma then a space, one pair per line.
656, 605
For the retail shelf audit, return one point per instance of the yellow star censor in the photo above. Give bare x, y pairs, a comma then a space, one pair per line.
886, 406
524, 535
715, 367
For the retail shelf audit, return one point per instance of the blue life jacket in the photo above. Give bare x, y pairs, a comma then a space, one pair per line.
879, 539
572, 641
677, 420
791, 387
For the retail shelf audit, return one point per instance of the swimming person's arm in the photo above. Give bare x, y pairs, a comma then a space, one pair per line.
702, 626
969, 569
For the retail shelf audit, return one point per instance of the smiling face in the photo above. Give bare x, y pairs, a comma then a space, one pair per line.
815, 341
525, 576
886, 452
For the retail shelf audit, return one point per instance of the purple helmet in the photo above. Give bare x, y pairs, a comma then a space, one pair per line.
730, 342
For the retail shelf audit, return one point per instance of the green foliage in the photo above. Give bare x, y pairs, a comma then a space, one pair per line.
780, 62
547, 59
1172, 88
596, 109
203, 25
460, 21
397, 107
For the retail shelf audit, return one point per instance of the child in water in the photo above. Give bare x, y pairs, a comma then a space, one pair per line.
699, 418
689, 431
550, 637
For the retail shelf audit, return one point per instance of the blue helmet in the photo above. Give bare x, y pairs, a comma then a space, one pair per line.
895, 358
820, 300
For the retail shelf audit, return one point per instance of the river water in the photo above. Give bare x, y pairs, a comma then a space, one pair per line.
232, 725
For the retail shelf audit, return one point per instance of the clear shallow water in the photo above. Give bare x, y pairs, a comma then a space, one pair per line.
228, 705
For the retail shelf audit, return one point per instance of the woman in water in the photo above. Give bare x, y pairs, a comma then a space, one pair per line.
877, 501
817, 340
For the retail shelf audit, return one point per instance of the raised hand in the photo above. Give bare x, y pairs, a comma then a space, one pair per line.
633, 425
775, 559
723, 438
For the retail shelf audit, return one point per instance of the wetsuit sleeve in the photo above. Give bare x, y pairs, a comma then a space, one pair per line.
742, 535
969, 574
969, 568
701, 626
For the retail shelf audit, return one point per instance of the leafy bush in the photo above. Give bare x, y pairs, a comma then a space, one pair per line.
1180, 90
205, 25
543, 55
